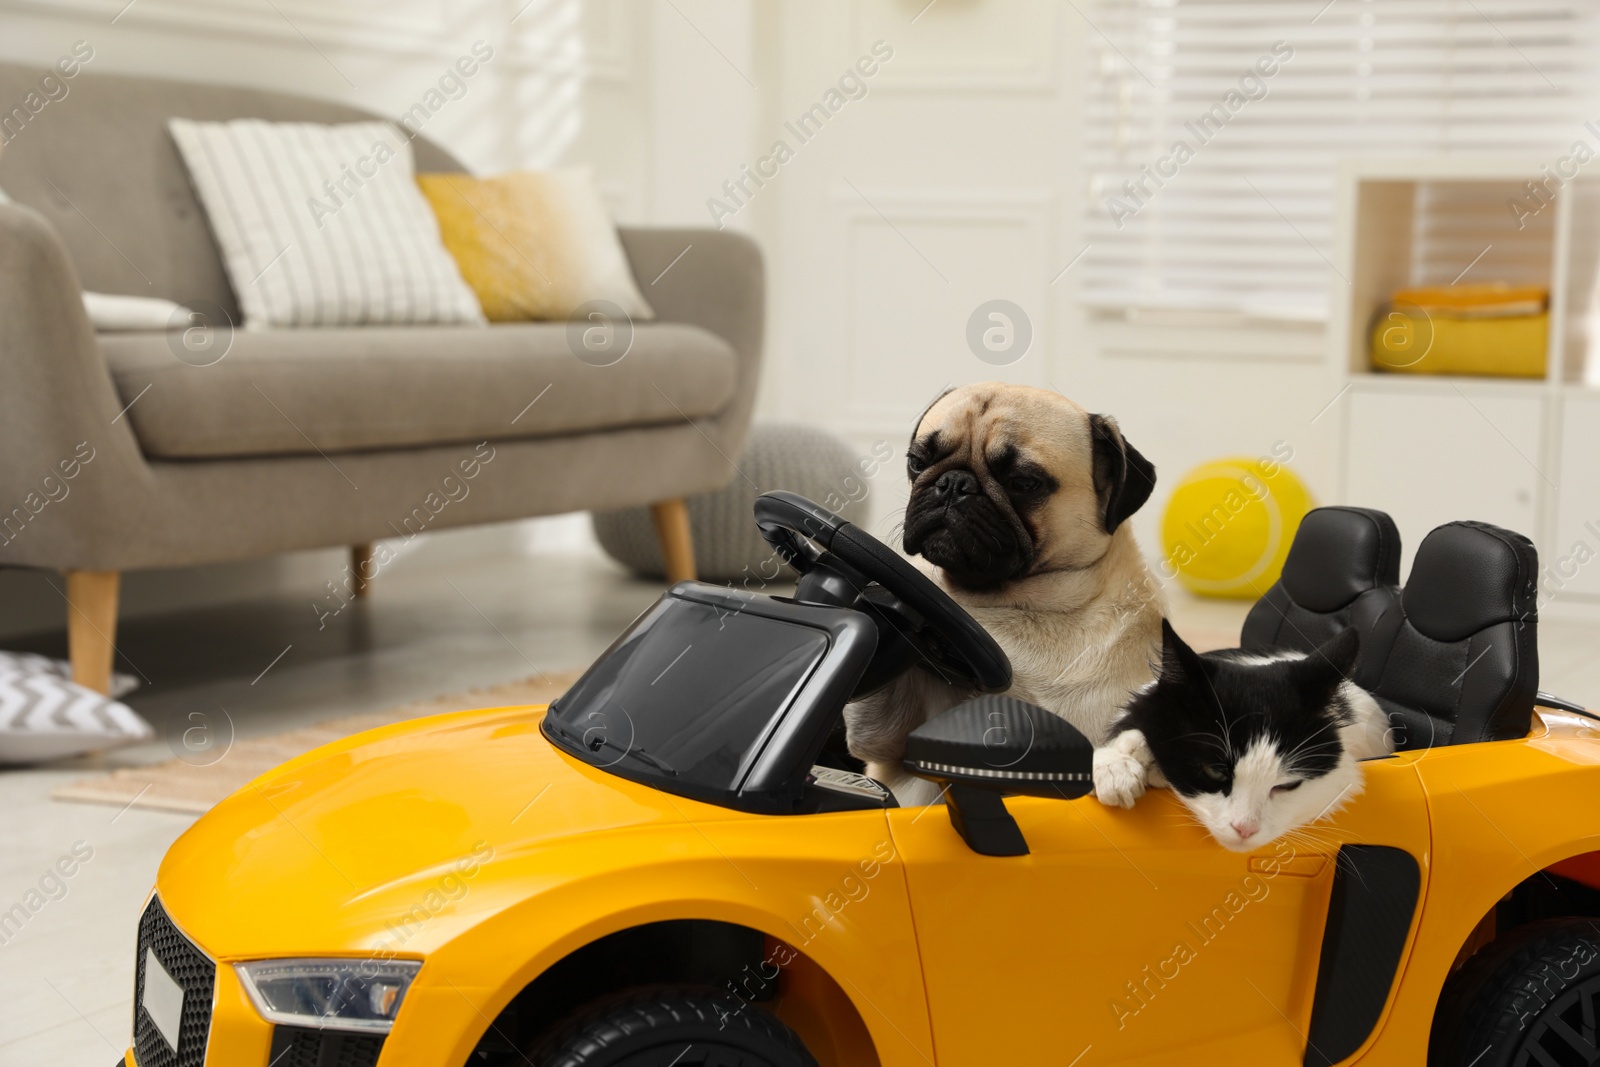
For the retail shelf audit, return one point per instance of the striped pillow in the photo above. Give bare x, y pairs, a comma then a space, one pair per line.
34, 663
45, 717
322, 225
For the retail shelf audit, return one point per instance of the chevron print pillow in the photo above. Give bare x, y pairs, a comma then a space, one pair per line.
44, 717
33, 663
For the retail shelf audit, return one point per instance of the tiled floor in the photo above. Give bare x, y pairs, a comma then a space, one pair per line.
433, 628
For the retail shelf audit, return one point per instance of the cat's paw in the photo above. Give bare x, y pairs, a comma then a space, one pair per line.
1119, 776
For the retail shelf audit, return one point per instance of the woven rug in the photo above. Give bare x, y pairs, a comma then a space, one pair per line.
179, 786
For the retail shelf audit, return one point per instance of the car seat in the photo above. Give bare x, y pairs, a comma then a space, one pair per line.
1460, 661
1343, 570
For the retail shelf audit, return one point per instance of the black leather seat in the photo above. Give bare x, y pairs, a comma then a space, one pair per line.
1343, 570
1460, 662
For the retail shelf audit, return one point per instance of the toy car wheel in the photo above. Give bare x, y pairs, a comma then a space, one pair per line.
1531, 999
673, 1027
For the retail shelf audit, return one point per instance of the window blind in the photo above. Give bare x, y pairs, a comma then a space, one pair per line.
1214, 130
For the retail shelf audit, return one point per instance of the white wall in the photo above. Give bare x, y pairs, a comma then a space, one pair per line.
952, 181
956, 181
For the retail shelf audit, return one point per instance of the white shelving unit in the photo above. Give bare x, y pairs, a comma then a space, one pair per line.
1522, 453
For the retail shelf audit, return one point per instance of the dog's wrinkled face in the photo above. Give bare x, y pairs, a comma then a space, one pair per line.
1009, 481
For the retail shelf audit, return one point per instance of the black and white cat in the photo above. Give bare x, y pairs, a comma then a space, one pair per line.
1254, 745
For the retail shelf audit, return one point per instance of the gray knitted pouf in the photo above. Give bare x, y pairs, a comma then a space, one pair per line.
727, 545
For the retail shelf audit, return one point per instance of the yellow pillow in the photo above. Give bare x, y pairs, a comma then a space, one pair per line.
1491, 328
533, 244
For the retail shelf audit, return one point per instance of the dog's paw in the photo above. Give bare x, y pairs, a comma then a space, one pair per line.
909, 791
1119, 777
917, 793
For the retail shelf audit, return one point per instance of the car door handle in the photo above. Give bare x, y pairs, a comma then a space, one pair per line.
1301, 865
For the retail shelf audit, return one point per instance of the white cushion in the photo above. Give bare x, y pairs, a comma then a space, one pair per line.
33, 663
113, 313
44, 717
607, 273
322, 225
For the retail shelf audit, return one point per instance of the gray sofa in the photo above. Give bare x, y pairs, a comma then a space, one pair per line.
310, 438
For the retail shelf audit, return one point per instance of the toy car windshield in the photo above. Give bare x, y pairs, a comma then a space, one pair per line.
727, 696
717, 695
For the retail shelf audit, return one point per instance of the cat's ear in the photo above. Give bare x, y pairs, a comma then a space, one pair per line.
1339, 652
1178, 660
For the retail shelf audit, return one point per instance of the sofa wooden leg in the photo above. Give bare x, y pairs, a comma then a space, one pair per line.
361, 571
92, 626
677, 548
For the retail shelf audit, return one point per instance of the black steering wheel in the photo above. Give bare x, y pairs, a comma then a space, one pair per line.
839, 564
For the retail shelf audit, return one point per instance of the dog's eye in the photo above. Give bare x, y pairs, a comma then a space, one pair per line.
1287, 786
1021, 483
915, 465
1216, 772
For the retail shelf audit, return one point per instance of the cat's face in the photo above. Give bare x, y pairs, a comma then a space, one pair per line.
1251, 744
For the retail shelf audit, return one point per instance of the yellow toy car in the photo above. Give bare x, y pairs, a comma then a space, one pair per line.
655, 871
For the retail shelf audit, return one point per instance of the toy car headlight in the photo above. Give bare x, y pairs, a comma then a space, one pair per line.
349, 994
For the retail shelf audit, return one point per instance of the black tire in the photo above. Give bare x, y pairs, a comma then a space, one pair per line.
672, 1026
1531, 999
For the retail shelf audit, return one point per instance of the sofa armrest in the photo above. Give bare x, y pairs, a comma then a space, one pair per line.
714, 279
58, 403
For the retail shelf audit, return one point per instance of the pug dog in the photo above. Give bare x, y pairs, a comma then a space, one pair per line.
1019, 507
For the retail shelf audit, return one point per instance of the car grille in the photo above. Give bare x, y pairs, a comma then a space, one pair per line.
194, 972
305, 1046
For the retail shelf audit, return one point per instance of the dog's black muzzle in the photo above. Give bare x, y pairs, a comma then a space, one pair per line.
953, 524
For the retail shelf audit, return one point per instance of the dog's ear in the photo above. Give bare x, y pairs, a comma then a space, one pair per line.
946, 391
1122, 476
915, 426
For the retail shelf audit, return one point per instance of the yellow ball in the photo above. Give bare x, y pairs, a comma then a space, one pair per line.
1229, 523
